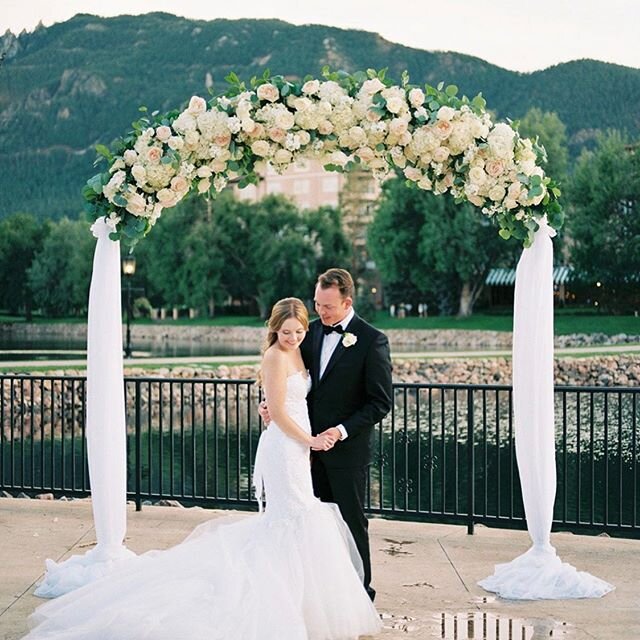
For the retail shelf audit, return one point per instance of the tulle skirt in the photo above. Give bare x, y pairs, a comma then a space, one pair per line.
235, 578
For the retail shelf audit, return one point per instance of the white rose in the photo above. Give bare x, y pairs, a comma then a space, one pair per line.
311, 87
260, 147
135, 203
416, 97
395, 104
398, 126
167, 197
497, 193
366, 154
179, 184
441, 154
268, 92
304, 137
163, 133
494, 168
443, 128
477, 176
192, 138
338, 157
285, 119
130, 157
398, 157
325, 127
204, 185
425, 184
446, 113
412, 173
282, 156
369, 87
176, 143
203, 172
302, 104
139, 173
197, 105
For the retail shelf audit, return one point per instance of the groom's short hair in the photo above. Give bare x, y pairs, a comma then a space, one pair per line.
340, 278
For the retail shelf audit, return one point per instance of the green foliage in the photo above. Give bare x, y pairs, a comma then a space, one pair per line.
60, 274
21, 237
605, 220
430, 249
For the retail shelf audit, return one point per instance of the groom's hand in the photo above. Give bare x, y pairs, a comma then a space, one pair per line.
333, 433
264, 413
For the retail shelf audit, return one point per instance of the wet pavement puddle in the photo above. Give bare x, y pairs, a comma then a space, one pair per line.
481, 625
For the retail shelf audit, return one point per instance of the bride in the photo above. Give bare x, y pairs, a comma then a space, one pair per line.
292, 572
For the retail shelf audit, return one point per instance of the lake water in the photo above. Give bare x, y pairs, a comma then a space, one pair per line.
69, 349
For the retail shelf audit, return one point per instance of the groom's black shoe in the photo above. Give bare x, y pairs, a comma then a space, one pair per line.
371, 592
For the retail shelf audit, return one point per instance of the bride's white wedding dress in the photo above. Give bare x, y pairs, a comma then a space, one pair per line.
291, 572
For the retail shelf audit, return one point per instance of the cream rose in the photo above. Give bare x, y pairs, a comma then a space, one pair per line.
497, 193
139, 173
366, 154
477, 176
446, 113
176, 143
494, 168
153, 155
179, 184
395, 104
443, 129
260, 147
311, 87
325, 127
197, 105
135, 204
411, 173
163, 133
440, 154
282, 156
167, 197
130, 157
204, 185
416, 97
277, 134
268, 92
285, 120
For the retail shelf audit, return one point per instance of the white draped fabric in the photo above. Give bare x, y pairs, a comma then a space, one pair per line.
539, 573
106, 432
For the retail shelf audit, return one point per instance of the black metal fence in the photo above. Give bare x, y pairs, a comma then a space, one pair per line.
445, 453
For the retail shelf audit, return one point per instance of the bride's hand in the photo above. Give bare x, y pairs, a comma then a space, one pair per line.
264, 413
323, 442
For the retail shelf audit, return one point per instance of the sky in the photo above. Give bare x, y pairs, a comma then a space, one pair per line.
521, 35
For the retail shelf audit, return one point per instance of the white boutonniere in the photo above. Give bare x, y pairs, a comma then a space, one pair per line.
349, 339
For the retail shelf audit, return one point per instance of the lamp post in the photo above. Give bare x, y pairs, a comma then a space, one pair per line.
128, 269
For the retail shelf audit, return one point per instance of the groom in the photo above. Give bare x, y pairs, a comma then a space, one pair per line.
350, 367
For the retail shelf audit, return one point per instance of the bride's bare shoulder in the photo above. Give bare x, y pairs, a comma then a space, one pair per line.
274, 358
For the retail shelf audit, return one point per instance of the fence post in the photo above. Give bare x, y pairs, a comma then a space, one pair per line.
471, 493
138, 447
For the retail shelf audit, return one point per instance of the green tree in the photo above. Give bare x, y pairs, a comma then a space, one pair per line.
21, 238
604, 220
433, 248
60, 274
552, 135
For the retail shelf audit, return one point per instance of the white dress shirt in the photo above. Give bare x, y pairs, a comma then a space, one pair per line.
329, 344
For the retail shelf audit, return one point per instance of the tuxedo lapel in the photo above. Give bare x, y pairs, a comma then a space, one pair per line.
317, 351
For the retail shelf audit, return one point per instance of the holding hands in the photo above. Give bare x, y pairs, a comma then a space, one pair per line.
322, 442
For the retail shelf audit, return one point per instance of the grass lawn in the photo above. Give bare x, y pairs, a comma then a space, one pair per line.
565, 322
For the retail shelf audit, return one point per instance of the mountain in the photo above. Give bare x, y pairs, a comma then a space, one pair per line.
69, 86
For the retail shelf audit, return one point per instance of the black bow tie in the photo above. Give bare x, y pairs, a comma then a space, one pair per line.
327, 329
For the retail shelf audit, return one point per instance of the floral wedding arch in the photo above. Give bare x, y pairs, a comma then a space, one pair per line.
440, 142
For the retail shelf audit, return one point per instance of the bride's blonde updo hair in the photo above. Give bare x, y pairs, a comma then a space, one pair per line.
281, 311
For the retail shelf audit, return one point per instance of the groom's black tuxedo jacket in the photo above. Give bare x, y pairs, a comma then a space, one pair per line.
354, 391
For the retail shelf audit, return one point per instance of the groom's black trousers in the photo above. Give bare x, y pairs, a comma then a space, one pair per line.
346, 488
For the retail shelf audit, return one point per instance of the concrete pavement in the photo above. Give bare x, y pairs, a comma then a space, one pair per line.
425, 574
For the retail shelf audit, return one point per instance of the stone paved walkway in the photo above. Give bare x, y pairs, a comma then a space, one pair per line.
425, 574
